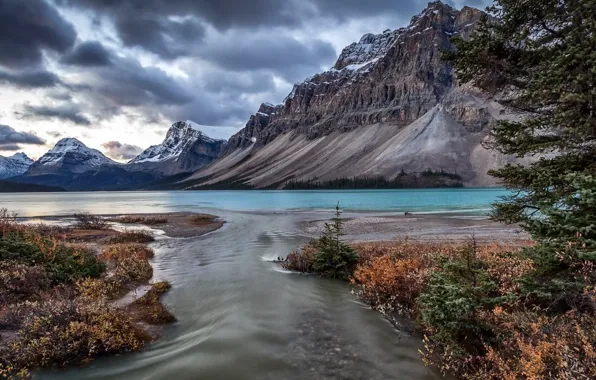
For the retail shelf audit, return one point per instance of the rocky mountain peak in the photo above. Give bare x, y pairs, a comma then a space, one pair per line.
21, 157
184, 148
389, 103
14, 165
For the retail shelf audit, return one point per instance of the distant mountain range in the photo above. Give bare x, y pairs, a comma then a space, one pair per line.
72, 165
388, 106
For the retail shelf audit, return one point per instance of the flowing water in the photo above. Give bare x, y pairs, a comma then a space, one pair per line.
241, 316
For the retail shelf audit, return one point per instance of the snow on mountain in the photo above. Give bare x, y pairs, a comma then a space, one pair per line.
186, 147
15, 165
69, 155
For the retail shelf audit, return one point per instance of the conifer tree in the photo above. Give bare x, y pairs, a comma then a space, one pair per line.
538, 57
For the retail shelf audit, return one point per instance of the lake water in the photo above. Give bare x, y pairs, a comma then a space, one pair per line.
239, 315
414, 200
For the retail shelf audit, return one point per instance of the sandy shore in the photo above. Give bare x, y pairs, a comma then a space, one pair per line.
443, 227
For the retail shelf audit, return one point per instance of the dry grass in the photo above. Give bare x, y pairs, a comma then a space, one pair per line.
146, 220
202, 219
132, 236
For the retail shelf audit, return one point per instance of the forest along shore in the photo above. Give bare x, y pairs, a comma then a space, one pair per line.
79, 287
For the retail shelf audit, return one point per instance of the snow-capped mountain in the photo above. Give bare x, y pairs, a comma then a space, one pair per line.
69, 156
14, 165
186, 148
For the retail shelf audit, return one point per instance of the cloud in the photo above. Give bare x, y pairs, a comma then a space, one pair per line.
9, 136
31, 79
89, 53
164, 37
279, 53
121, 152
27, 27
10, 147
68, 112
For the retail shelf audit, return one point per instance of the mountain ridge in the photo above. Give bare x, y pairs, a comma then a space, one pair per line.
389, 103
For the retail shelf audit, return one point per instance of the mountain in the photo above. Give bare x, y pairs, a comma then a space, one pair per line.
69, 156
14, 165
388, 104
185, 149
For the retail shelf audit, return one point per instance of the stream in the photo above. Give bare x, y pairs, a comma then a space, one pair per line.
243, 317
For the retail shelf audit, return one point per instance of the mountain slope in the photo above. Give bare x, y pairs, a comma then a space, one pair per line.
184, 149
69, 156
14, 165
389, 103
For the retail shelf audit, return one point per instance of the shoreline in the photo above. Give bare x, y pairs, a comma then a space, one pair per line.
419, 227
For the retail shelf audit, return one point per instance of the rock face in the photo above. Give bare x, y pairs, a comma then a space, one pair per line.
14, 165
69, 156
389, 103
185, 149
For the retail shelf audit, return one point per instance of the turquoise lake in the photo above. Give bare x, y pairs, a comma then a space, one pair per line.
413, 200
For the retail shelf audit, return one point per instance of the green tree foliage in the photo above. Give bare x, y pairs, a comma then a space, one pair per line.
453, 296
539, 58
425, 179
334, 258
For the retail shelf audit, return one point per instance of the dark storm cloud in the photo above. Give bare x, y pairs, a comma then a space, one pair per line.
89, 53
11, 147
69, 112
166, 38
32, 79
9, 135
120, 151
27, 27
283, 55
128, 83
218, 81
153, 24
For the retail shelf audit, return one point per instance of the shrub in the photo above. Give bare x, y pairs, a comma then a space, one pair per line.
390, 284
87, 221
19, 281
147, 220
134, 236
118, 252
301, 261
536, 345
62, 332
201, 220
95, 289
63, 263
134, 269
150, 309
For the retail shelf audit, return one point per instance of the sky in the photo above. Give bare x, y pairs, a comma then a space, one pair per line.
117, 73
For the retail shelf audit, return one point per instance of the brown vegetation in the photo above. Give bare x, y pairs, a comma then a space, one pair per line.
87, 221
468, 303
56, 297
149, 309
132, 236
202, 219
138, 219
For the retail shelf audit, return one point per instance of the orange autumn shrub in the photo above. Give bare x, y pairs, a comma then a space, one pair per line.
301, 261
389, 284
534, 345
121, 251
